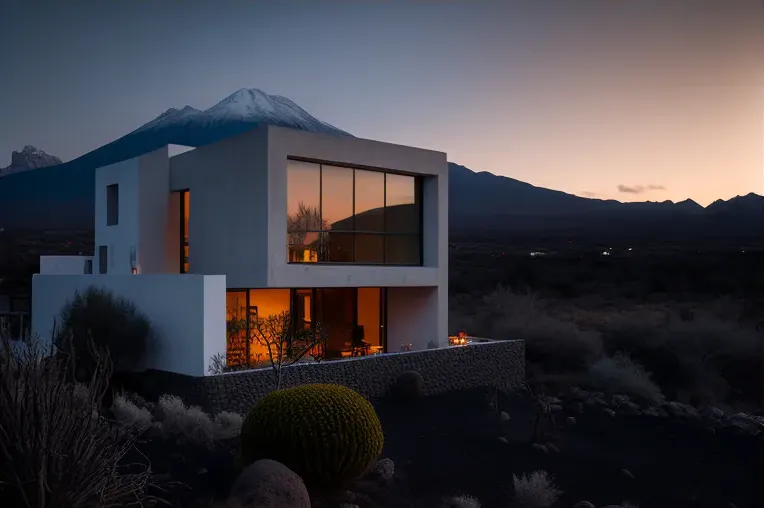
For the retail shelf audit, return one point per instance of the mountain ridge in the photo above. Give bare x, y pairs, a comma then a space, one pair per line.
61, 196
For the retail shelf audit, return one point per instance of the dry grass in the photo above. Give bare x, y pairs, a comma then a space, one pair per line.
461, 502
620, 374
57, 451
701, 353
536, 490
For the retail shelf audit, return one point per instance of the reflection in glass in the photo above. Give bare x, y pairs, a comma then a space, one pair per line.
337, 197
303, 197
369, 249
338, 247
403, 250
326, 204
304, 247
369, 200
401, 206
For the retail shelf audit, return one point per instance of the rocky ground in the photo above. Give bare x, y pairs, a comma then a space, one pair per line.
606, 451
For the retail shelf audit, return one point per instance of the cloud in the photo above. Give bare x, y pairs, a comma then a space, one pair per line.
639, 189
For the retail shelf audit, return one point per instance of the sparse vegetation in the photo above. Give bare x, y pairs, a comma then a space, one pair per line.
111, 322
535, 490
619, 374
57, 451
649, 351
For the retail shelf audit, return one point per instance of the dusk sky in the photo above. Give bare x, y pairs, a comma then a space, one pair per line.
664, 98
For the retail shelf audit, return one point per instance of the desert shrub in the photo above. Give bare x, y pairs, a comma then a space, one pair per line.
328, 434
130, 416
700, 360
554, 343
461, 502
536, 490
57, 451
191, 424
620, 374
111, 322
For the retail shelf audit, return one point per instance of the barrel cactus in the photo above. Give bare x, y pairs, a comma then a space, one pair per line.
326, 433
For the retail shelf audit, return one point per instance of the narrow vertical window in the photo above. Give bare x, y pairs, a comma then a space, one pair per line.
103, 259
112, 204
185, 208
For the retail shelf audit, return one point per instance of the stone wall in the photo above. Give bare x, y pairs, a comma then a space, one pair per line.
498, 363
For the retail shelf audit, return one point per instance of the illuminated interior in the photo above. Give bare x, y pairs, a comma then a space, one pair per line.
354, 320
185, 208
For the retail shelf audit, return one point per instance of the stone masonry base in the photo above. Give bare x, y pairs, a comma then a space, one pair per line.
499, 364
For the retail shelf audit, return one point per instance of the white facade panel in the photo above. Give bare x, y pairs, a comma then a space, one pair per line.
228, 195
187, 313
65, 265
416, 316
121, 239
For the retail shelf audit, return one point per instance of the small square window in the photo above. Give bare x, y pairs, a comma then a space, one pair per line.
88, 266
112, 204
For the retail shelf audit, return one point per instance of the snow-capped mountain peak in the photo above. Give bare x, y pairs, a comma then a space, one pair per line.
245, 103
29, 158
245, 106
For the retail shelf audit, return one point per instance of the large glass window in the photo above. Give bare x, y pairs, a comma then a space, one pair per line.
345, 215
353, 319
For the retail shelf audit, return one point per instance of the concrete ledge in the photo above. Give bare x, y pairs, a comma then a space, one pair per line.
499, 364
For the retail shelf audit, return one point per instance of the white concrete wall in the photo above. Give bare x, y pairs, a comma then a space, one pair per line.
145, 224
187, 313
155, 252
64, 265
343, 150
416, 316
228, 214
122, 238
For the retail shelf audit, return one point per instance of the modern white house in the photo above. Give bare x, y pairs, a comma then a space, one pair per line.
348, 232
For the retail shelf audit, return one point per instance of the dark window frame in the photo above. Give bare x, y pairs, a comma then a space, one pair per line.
112, 204
418, 199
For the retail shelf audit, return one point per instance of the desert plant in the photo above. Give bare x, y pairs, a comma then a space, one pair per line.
191, 424
130, 416
56, 450
111, 322
536, 490
544, 426
461, 502
283, 342
328, 434
620, 374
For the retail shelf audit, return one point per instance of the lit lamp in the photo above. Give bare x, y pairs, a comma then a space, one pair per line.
133, 258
